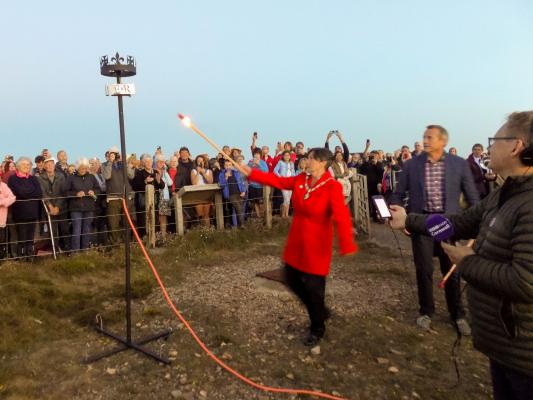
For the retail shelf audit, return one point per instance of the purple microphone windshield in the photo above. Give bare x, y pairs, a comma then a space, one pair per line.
439, 227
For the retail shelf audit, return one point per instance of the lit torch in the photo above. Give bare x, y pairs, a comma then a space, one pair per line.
188, 123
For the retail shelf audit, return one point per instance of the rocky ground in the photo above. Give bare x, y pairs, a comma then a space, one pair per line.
372, 349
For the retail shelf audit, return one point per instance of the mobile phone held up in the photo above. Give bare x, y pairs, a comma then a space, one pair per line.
381, 207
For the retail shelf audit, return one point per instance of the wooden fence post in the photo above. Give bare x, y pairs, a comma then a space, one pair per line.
219, 210
178, 207
149, 196
355, 196
360, 203
268, 206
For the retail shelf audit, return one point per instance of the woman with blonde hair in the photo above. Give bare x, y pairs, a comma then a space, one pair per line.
340, 171
202, 175
25, 211
164, 208
143, 177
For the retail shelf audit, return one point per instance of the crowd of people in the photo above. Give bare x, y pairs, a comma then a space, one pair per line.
82, 200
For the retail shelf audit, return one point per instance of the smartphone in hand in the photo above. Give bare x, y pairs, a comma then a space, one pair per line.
381, 207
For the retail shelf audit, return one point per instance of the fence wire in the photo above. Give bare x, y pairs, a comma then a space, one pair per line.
100, 233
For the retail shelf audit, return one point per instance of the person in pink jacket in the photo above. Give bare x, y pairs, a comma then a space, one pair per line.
6, 199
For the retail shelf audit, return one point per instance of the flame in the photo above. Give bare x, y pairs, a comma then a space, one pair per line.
185, 120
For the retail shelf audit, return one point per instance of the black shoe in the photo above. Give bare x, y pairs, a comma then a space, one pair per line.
312, 340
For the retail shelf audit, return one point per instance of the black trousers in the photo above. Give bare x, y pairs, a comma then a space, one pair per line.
25, 237
311, 290
234, 203
508, 384
61, 230
424, 248
3, 243
372, 191
100, 226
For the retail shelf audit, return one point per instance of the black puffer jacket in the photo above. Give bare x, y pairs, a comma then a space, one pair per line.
82, 183
500, 273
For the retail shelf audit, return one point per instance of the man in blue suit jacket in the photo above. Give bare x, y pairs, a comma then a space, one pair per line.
434, 182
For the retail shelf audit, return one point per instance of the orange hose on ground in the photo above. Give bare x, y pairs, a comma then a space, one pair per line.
199, 341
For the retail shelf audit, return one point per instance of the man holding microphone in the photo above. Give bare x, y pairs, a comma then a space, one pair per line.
499, 267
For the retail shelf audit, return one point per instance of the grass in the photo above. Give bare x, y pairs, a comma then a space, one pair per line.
48, 300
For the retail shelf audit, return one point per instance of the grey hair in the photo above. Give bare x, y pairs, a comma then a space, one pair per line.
160, 157
23, 158
82, 162
145, 156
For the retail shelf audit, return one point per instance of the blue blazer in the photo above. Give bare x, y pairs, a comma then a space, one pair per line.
225, 188
458, 179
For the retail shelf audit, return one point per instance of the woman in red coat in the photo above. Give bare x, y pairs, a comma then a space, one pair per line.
317, 202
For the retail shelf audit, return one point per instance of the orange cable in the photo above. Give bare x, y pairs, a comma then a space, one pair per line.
199, 341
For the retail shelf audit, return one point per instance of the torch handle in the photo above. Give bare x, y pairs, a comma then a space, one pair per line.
442, 283
217, 148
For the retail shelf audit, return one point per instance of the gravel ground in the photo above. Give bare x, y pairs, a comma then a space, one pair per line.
371, 350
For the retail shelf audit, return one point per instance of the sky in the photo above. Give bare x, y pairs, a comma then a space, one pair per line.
290, 70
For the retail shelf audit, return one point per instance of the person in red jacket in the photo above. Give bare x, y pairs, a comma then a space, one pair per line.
318, 202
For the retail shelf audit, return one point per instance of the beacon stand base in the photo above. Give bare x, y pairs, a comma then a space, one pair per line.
134, 345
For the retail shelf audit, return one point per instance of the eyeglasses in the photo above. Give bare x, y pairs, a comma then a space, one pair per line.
494, 139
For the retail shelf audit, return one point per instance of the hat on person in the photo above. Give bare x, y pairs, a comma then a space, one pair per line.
50, 159
113, 149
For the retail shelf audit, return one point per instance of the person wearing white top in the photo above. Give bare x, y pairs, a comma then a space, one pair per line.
164, 207
285, 168
202, 175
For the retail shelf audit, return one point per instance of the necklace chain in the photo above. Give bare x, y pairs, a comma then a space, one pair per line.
309, 190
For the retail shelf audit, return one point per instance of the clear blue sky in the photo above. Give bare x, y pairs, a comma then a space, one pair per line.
288, 69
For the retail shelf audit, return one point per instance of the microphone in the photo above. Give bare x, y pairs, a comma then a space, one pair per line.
439, 227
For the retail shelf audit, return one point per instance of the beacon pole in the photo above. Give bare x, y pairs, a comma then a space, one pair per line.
116, 68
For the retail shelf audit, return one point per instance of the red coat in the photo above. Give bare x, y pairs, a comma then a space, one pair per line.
310, 241
269, 162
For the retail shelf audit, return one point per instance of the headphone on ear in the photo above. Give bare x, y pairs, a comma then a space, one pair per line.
526, 156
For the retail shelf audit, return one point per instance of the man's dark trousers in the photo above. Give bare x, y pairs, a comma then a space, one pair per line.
311, 290
424, 249
61, 230
508, 384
